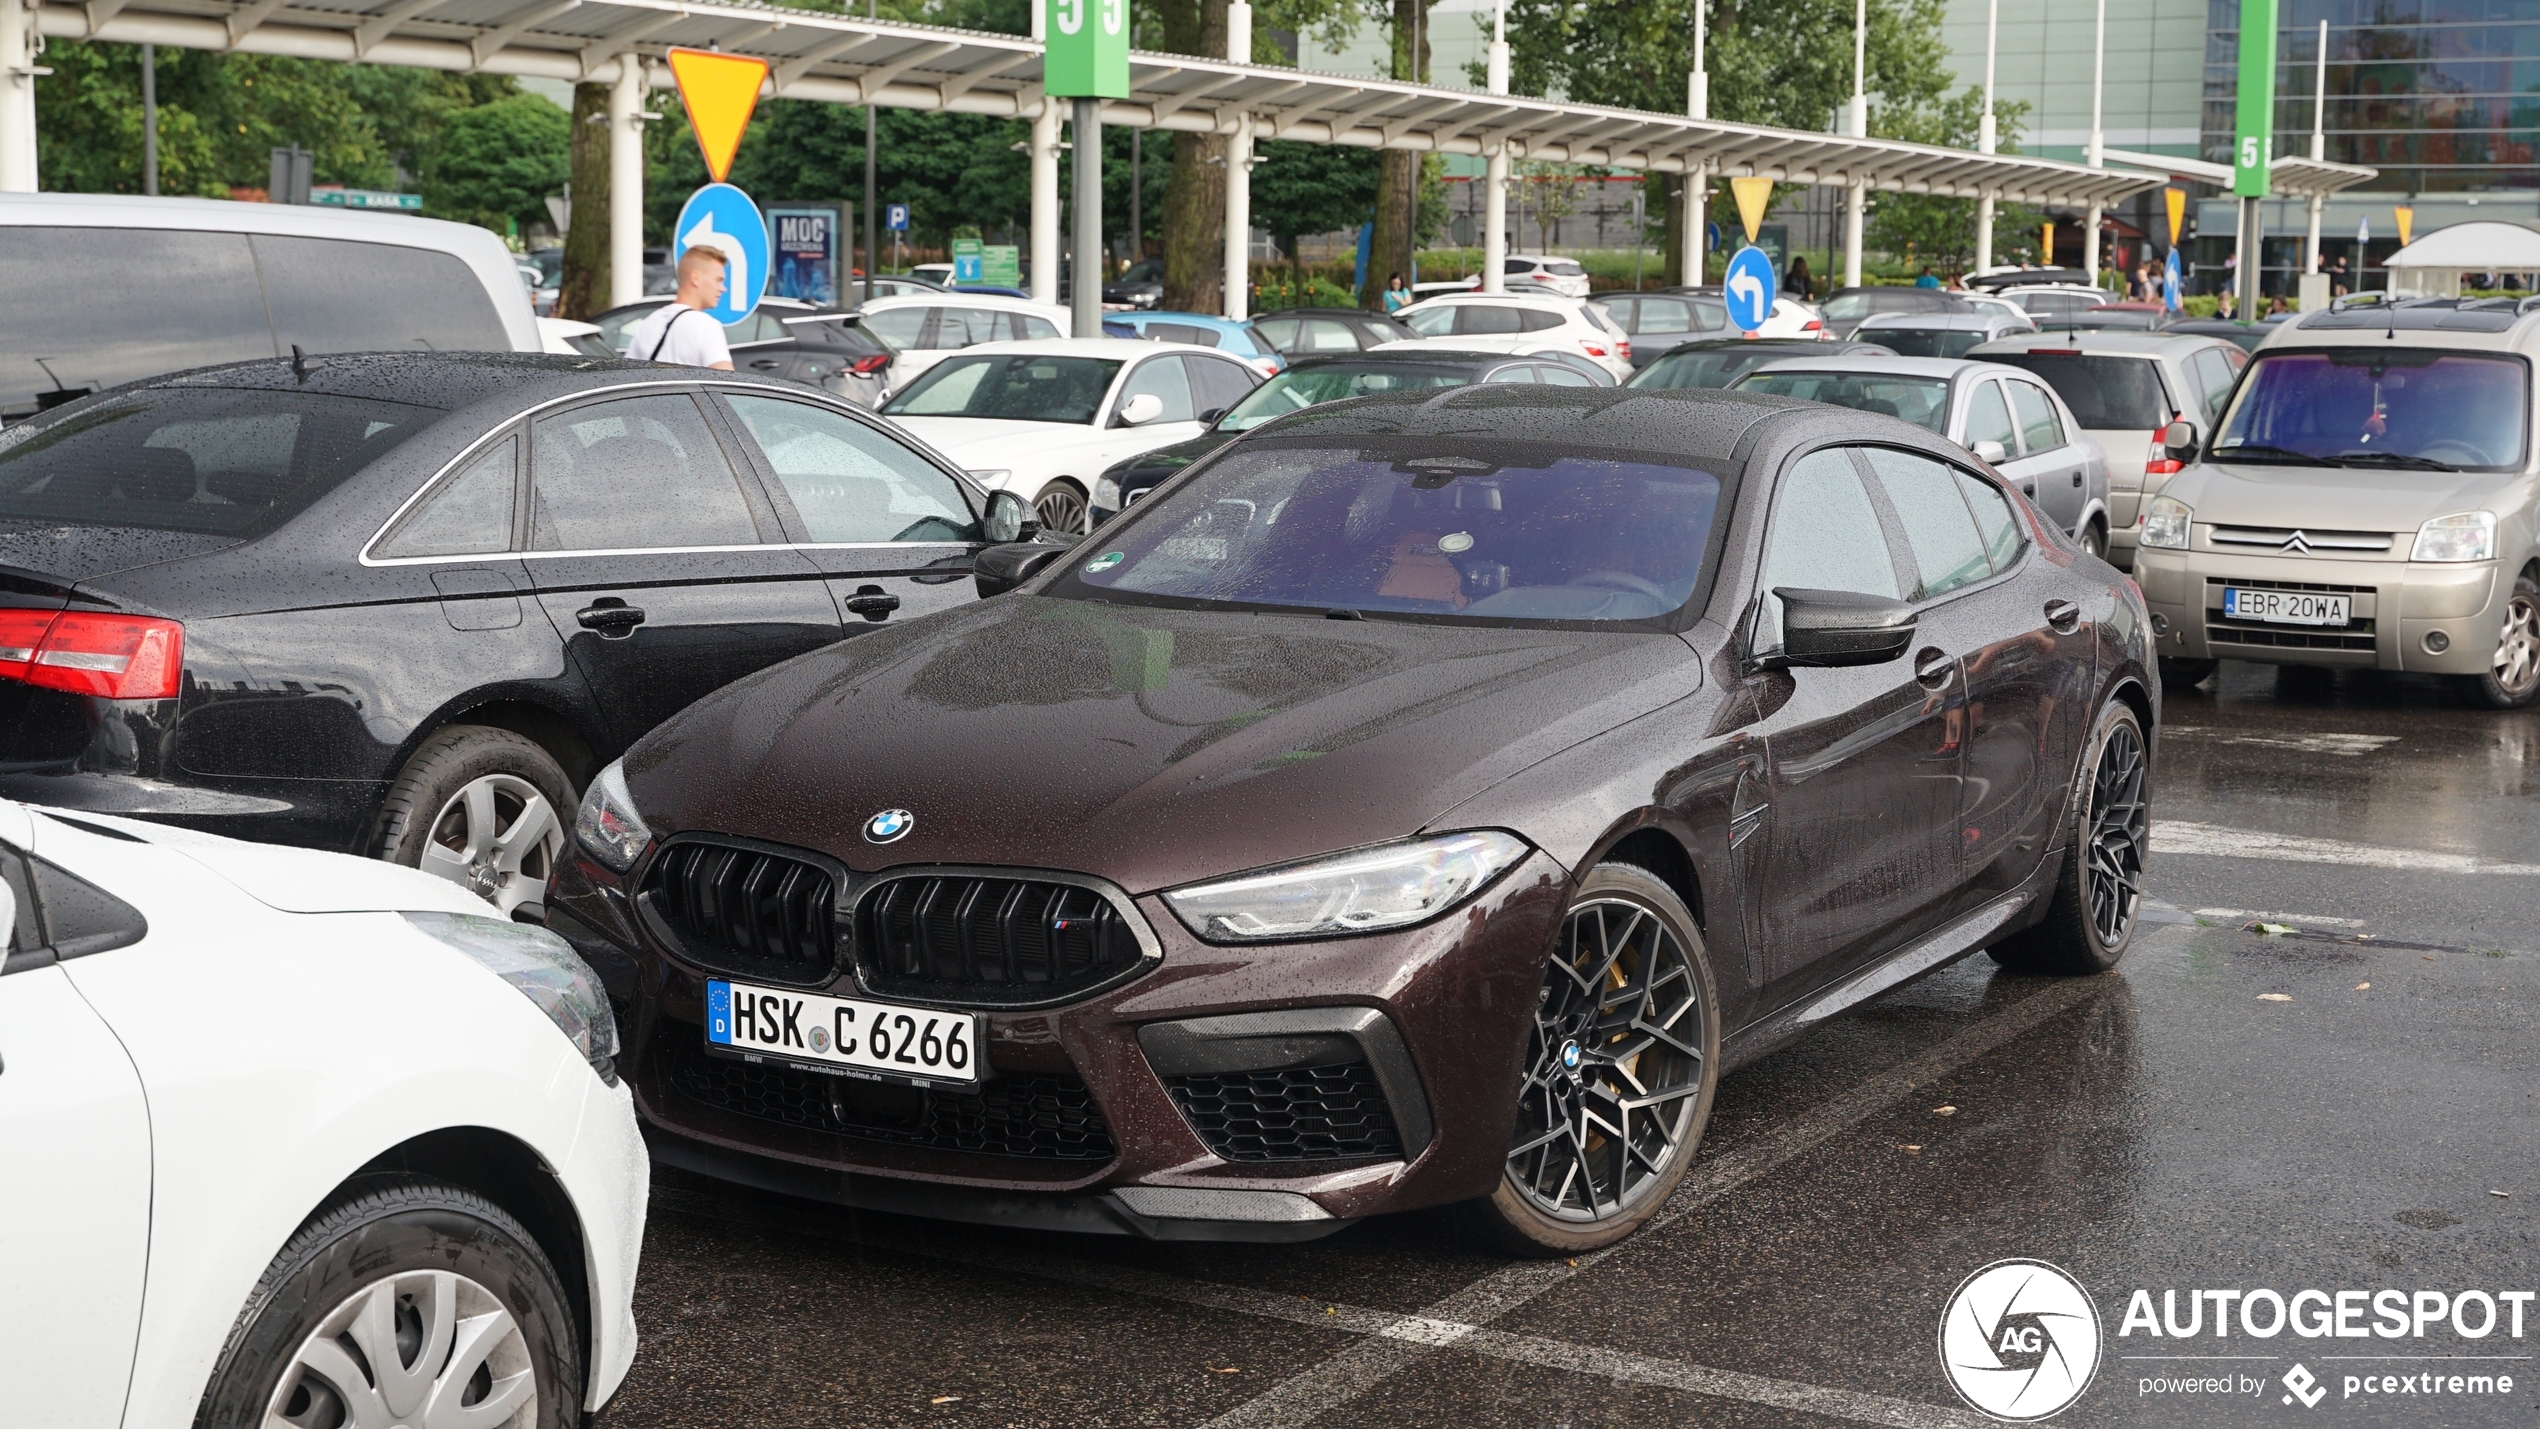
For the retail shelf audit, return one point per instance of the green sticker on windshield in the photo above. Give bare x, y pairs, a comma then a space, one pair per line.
1104, 562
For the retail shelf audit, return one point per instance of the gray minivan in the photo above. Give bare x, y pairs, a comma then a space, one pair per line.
104, 289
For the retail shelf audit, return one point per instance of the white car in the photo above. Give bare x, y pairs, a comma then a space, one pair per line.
297, 1138
923, 328
1045, 420
1530, 272
569, 338
1520, 323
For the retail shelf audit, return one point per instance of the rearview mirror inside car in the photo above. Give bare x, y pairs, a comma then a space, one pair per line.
1011, 518
1140, 410
2179, 440
999, 569
1991, 453
1824, 628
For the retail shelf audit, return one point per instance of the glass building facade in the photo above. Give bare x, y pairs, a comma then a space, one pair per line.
2442, 96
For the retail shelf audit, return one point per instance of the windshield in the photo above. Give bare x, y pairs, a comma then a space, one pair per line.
1010, 388
1922, 341
2367, 407
1295, 391
1429, 322
1923, 401
211, 460
1703, 369
1508, 533
2106, 393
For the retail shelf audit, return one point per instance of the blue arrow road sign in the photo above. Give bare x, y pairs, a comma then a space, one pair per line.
895, 217
723, 218
1749, 288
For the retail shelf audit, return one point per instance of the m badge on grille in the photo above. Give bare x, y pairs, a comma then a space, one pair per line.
888, 826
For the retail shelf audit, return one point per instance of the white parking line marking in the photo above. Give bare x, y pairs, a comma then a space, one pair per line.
2214, 841
2315, 920
2345, 745
1346, 1376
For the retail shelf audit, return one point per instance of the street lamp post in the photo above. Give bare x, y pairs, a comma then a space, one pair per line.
1986, 136
1495, 171
1856, 197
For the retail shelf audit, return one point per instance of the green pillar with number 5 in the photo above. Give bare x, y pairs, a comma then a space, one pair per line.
2254, 143
1088, 49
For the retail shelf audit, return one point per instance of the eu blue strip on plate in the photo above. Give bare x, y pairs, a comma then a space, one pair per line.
719, 1012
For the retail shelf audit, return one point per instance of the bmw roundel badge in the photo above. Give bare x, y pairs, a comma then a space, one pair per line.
888, 825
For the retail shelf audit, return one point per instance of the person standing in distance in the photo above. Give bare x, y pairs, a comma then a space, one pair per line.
681, 331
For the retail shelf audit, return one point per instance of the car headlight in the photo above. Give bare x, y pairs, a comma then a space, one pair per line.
1107, 494
607, 826
2165, 524
2464, 536
541, 967
1364, 891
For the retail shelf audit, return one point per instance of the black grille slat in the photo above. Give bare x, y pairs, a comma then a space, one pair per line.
1334, 1113
990, 939
748, 911
1045, 1116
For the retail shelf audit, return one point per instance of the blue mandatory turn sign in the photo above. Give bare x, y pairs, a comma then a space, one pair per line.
722, 217
895, 217
1749, 288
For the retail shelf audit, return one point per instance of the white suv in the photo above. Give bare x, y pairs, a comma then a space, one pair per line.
923, 328
1534, 272
1522, 324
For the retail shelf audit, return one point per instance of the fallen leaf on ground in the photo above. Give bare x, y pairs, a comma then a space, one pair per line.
1911, 1150
2363, 987
2267, 929
945, 1399
1230, 1369
2500, 1193
2429, 957
1331, 1309
1571, 1263
2274, 997
1944, 1111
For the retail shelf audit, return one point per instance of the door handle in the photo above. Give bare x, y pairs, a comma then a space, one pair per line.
1932, 667
2028, 488
2063, 616
2076, 478
767, 364
612, 617
870, 602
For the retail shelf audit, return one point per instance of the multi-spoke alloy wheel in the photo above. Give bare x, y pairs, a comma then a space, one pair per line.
497, 837
2120, 824
2517, 669
1619, 1067
1061, 509
426, 1348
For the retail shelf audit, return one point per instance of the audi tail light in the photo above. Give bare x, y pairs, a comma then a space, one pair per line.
868, 366
1593, 349
115, 657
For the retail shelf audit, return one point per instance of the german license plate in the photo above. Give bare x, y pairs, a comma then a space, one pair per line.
2285, 607
859, 1039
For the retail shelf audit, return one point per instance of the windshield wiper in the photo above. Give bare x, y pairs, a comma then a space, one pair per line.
2400, 460
2257, 451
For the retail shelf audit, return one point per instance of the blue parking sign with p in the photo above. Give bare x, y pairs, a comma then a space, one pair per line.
895, 217
722, 217
1748, 288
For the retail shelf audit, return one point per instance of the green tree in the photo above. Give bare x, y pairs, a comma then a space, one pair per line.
499, 162
1942, 231
1304, 188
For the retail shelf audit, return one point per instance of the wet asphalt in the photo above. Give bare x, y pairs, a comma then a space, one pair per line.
2352, 1104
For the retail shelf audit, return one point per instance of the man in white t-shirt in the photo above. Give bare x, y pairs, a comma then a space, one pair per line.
682, 331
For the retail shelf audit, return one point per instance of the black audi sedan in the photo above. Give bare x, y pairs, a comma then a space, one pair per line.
1719, 361
1421, 802
407, 604
1311, 381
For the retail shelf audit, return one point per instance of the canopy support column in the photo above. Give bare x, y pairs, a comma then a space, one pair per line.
1045, 142
1984, 233
2090, 243
1238, 257
1084, 283
18, 45
2311, 242
1853, 198
626, 182
1495, 222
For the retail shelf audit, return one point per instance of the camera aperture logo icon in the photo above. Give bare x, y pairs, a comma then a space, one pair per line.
888, 825
2020, 1341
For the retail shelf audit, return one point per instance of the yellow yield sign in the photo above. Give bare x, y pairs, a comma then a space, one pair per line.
1752, 195
720, 90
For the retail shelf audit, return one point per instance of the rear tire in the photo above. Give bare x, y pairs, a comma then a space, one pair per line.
2187, 674
410, 1272
2099, 892
1583, 1171
2512, 679
483, 807
2094, 540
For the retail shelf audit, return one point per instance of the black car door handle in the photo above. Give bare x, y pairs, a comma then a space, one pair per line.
870, 602
2076, 478
767, 364
613, 618
2028, 488
2064, 616
1932, 668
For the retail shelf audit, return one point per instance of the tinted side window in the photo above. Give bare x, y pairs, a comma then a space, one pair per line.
1167, 380
81, 918
1552, 376
1478, 320
1514, 372
897, 326
1999, 529
2215, 375
105, 306
1938, 529
1034, 329
335, 295
1825, 534
1280, 333
2040, 429
1329, 335
1528, 321
639, 473
961, 327
850, 483
470, 514
1988, 420
1217, 385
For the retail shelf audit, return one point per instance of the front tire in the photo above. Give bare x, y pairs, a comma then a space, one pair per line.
1620, 1069
484, 808
1061, 508
404, 1300
2099, 893
2094, 540
2512, 679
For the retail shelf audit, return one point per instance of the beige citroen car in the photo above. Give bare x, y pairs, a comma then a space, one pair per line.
2366, 501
